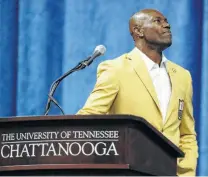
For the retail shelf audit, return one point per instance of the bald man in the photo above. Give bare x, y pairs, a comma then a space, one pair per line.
145, 83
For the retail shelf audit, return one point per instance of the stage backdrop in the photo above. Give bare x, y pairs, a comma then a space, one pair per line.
42, 39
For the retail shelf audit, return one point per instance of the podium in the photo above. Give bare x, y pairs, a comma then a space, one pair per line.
85, 145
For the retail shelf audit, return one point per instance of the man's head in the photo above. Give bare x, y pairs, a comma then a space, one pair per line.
150, 27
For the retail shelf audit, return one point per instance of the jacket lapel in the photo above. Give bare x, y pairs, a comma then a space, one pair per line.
172, 71
142, 72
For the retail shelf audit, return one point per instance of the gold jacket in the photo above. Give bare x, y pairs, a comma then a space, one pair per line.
124, 87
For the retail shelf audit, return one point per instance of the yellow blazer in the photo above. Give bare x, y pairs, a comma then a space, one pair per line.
124, 87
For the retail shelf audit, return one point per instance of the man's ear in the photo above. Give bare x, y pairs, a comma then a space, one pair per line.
139, 31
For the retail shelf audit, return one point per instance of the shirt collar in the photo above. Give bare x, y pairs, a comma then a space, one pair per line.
151, 64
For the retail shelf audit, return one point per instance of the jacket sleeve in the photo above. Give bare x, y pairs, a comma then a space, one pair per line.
104, 92
188, 142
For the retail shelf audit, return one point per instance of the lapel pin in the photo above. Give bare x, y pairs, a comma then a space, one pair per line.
174, 70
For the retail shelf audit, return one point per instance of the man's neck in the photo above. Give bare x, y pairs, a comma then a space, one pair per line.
154, 54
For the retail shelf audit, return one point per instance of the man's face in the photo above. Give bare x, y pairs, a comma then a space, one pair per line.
157, 30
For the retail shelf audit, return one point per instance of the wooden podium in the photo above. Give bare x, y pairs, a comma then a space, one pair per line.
85, 145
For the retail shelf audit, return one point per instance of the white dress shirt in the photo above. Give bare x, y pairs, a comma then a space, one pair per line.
161, 81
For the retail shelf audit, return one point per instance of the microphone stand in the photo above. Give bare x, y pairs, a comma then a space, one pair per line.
54, 85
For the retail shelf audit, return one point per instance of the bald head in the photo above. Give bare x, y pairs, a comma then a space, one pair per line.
149, 26
139, 18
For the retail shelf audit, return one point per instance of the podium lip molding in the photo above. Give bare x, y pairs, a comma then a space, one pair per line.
64, 166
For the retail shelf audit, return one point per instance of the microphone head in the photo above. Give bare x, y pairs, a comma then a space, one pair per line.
100, 49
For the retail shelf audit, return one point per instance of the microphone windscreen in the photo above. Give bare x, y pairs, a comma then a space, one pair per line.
100, 49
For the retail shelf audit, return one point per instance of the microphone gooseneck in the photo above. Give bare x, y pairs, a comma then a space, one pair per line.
99, 50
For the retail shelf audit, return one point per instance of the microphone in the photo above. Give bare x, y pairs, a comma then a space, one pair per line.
99, 50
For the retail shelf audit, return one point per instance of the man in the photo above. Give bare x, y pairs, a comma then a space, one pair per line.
144, 83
